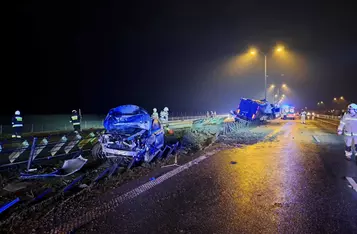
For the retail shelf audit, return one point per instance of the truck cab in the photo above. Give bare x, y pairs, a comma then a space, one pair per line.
250, 110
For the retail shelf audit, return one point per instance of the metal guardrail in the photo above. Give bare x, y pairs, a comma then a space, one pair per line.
39, 149
65, 143
38, 128
334, 117
183, 118
34, 128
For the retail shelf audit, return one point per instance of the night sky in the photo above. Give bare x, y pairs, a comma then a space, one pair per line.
96, 55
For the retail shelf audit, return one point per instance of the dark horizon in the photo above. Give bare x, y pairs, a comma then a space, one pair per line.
96, 56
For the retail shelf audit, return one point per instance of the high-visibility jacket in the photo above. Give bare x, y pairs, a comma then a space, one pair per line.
17, 121
75, 119
348, 124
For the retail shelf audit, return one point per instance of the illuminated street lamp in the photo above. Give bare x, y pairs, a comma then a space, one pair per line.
335, 99
255, 51
342, 98
284, 86
280, 48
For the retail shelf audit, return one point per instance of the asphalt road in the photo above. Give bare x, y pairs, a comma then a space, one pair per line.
294, 183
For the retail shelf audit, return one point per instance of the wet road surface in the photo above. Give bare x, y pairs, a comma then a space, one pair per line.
293, 183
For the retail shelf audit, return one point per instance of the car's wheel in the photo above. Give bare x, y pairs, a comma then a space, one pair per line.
97, 152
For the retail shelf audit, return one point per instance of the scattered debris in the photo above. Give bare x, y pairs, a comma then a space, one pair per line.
69, 167
82, 186
13, 187
8, 205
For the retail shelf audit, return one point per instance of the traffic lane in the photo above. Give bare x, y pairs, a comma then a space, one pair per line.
280, 186
333, 145
331, 150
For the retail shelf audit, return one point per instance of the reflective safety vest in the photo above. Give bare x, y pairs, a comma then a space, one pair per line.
17, 121
348, 124
75, 119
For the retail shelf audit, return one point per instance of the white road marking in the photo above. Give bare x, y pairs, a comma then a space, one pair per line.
115, 202
316, 139
352, 183
287, 134
328, 122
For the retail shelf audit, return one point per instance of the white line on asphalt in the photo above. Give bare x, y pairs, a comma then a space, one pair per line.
316, 139
328, 122
287, 134
115, 202
352, 183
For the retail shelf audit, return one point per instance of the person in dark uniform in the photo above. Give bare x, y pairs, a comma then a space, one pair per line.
17, 125
76, 121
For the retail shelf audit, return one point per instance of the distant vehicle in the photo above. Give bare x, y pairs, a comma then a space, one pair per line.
288, 112
251, 110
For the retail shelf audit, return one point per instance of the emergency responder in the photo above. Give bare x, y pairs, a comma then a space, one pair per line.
303, 117
348, 127
17, 125
76, 121
166, 111
155, 115
164, 115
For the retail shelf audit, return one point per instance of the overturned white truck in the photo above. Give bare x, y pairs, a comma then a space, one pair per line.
130, 135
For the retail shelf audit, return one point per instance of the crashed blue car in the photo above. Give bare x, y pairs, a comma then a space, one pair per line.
130, 134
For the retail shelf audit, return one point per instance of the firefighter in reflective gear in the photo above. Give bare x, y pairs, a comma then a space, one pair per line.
164, 115
348, 127
17, 125
76, 121
155, 115
303, 117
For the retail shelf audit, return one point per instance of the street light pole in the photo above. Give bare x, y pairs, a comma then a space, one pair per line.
253, 52
278, 92
265, 75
